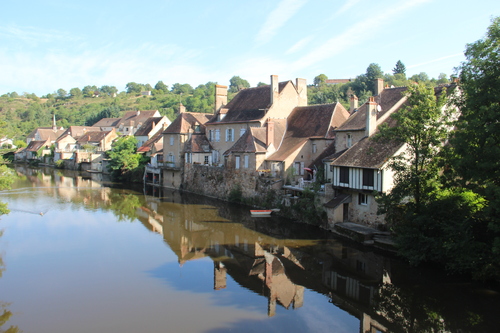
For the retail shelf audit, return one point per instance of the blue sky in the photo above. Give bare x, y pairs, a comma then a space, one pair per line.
51, 44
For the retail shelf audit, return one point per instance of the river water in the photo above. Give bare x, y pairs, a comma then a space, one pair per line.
81, 254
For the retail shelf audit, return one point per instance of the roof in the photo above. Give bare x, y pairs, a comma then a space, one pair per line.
338, 200
77, 131
185, 122
137, 117
310, 122
96, 136
198, 143
249, 104
386, 100
368, 153
36, 145
107, 122
148, 145
148, 126
46, 133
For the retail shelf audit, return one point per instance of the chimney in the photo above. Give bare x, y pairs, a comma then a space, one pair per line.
353, 104
270, 132
371, 117
182, 108
301, 86
379, 86
220, 97
54, 126
274, 89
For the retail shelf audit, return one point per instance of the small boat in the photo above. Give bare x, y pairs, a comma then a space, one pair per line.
262, 212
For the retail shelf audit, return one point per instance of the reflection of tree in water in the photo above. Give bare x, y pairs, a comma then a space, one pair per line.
5, 314
124, 206
414, 309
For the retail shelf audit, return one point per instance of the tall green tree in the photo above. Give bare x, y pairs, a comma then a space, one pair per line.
422, 127
320, 80
399, 69
476, 141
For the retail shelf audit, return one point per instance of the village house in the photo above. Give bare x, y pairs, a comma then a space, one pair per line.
149, 128
260, 111
360, 166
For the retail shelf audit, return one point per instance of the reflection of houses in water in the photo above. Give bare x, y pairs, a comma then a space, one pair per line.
279, 269
68, 185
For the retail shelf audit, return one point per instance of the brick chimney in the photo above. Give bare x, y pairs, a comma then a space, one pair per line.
270, 132
353, 103
220, 96
379, 86
371, 117
301, 86
274, 89
182, 108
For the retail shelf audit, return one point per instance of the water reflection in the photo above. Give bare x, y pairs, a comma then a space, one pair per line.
273, 258
5, 313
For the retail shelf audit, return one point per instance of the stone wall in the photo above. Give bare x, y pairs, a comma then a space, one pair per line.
218, 182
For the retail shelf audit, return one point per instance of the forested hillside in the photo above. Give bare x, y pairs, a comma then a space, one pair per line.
86, 106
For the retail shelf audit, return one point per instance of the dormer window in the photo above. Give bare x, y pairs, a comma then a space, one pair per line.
349, 140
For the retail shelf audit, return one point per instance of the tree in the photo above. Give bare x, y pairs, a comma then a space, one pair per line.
124, 159
476, 141
75, 93
88, 91
399, 69
108, 90
236, 83
320, 80
373, 72
61, 93
162, 87
422, 127
134, 88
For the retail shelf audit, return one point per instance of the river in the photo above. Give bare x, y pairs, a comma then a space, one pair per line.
81, 254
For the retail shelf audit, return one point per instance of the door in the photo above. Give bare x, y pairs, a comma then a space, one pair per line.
345, 212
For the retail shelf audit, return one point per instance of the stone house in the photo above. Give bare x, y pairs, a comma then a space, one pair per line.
176, 137
309, 132
261, 112
360, 165
149, 128
129, 123
66, 143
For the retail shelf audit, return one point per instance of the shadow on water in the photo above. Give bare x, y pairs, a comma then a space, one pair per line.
280, 261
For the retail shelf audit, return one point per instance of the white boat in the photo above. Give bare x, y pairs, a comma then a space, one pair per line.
261, 212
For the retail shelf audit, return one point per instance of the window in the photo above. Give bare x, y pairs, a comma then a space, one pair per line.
189, 158
217, 135
344, 175
242, 131
349, 140
363, 199
171, 140
237, 162
315, 149
229, 134
210, 135
171, 158
245, 162
206, 160
368, 175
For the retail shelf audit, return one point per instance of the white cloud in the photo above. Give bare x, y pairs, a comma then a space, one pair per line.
435, 60
299, 45
35, 35
348, 4
277, 18
355, 35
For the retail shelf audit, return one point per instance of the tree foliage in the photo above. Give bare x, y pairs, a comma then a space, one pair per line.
400, 68
124, 159
236, 83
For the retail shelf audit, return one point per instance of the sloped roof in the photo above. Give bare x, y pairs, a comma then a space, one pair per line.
137, 117
107, 122
198, 143
46, 133
148, 126
36, 145
249, 104
185, 122
253, 141
77, 131
148, 145
309, 122
95, 136
387, 99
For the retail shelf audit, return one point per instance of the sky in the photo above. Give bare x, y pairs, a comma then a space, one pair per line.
46, 45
